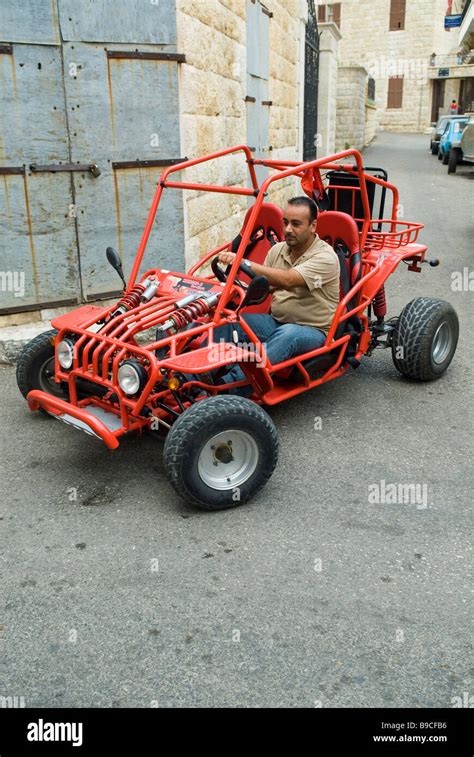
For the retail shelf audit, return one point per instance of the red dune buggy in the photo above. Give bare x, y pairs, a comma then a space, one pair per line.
112, 370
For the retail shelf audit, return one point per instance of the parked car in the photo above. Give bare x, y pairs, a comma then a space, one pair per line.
437, 133
451, 137
464, 151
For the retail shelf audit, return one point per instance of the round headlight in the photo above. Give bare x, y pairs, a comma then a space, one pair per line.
65, 352
132, 377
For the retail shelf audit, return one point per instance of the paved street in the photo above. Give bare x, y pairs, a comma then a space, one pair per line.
310, 595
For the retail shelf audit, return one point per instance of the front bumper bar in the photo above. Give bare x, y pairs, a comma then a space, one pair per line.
94, 420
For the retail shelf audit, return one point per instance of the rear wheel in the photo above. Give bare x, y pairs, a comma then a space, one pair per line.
434, 148
440, 155
425, 339
445, 158
35, 367
220, 452
453, 161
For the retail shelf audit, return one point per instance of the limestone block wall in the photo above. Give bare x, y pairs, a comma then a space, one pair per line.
370, 123
367, 41
351, 99
213, 82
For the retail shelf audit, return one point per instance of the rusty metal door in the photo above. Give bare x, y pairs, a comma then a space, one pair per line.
101, 94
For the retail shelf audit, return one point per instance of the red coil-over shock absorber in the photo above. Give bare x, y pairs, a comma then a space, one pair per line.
187, 314
130, 300
380, 304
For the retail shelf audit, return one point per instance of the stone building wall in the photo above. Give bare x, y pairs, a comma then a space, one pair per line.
351, 101
212, 35
370, 123
366, 41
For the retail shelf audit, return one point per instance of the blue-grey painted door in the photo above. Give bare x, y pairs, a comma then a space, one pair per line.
122, 109
38, 244
85, 83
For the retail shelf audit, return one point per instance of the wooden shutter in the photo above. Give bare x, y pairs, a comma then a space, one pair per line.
395, 92
336, 14
321, 13
397, 15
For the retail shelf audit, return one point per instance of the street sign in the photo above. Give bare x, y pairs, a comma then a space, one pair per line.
450, 22
443, 72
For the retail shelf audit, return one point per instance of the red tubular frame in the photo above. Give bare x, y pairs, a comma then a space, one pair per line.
104, 351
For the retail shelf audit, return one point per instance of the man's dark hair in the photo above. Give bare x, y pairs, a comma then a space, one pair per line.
310, 204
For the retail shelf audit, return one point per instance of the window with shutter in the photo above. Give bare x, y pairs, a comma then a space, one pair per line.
395, 92
397, 15
336, 14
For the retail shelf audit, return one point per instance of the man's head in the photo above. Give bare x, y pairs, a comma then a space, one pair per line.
300, 221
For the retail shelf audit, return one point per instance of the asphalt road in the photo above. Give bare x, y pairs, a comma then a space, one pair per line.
310, 595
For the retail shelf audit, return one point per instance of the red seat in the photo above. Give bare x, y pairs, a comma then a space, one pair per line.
270, 218
341, 232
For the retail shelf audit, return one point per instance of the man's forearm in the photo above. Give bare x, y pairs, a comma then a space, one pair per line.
277, 277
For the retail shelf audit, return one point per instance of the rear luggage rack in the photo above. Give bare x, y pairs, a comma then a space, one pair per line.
407, 233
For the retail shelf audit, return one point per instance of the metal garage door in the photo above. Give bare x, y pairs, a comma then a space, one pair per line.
84, 85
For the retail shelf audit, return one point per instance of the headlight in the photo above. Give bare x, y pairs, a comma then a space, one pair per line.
132, 377
65, 352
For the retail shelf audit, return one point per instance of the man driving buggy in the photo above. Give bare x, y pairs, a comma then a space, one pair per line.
303, 273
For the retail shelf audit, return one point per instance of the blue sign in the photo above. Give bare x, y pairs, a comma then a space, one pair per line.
443, 72
452, 21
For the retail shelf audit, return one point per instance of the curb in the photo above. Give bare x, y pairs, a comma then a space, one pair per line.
14, 338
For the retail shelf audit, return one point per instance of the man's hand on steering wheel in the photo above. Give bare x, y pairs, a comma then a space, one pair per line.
227, 258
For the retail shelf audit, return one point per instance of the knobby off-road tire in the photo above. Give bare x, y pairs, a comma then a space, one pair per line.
201, 465
35, 367
453, 161
425, 339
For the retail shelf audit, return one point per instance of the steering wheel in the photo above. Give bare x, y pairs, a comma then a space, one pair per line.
223, 275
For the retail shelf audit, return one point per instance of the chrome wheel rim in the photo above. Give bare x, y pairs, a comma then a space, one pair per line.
228, 459
46, 379
442, 343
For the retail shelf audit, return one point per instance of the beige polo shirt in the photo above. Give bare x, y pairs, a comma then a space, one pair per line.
315, 303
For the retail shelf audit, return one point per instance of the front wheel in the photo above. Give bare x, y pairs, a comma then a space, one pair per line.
220, 452
434, 148
425, 339
440, 155
445, 158
35, 367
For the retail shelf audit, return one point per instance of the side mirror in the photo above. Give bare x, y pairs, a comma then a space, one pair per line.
114, 259
257, 291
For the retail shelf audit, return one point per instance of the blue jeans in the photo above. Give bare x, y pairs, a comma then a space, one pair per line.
282, 341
